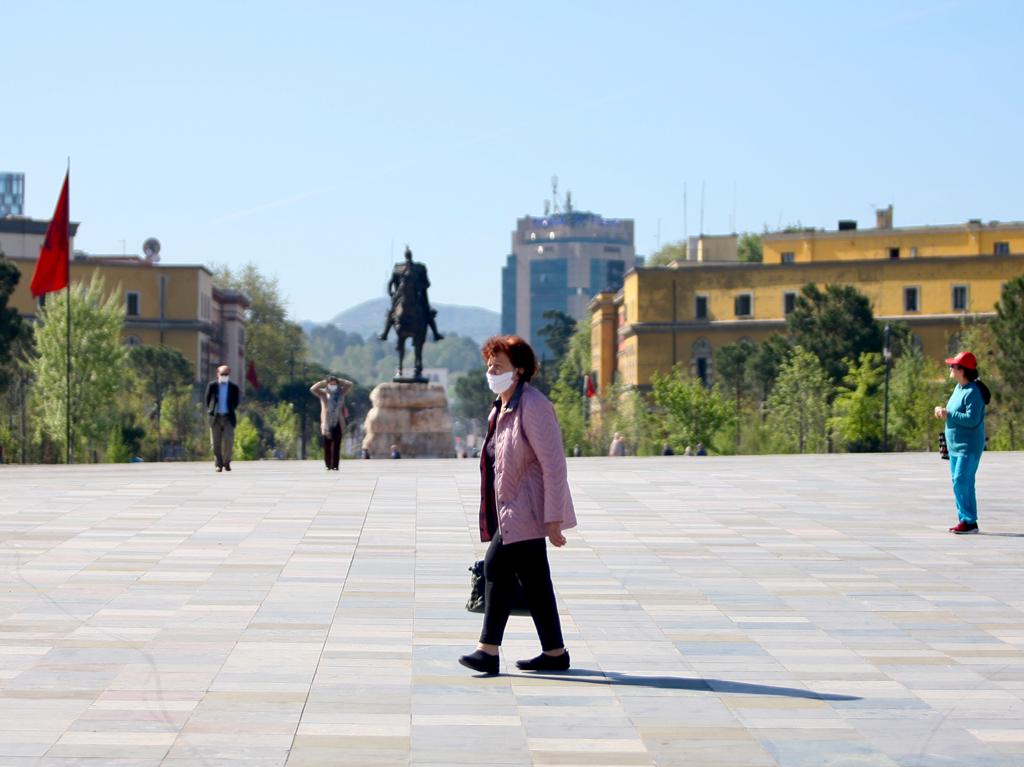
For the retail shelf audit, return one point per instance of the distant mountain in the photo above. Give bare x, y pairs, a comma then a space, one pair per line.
474, 322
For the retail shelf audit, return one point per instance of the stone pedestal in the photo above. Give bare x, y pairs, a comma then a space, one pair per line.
413, 416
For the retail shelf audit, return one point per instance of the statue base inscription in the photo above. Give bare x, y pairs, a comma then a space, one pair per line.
413, 416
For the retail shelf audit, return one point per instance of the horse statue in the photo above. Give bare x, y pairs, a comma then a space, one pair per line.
410, 314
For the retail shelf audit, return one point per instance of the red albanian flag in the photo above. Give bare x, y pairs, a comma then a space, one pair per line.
52, 267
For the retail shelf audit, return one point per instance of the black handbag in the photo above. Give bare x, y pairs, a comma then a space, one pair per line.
943, 448
475, 603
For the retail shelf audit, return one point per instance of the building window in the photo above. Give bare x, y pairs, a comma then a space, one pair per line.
788, 302
911, 299
788, 257
1001, 248
700, 361
700, 310
959, 298
744, 305
894, 253
131, 303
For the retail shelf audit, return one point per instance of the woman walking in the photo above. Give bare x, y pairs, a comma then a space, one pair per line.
331, 393
964, 415
524, 499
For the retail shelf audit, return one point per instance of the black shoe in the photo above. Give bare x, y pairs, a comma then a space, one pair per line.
227, 467
382, 336
480, 661
438, 337
219, 468
545, 663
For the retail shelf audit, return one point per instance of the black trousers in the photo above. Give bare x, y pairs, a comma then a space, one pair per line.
527, 560
332, 447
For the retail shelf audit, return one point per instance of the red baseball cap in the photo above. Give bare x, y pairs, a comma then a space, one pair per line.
964, 360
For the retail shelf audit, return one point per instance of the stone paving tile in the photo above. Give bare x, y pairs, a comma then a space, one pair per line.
774, 611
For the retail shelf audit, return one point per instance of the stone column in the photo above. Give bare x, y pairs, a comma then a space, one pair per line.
413, 416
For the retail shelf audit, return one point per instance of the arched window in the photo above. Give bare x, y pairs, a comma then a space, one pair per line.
700, 361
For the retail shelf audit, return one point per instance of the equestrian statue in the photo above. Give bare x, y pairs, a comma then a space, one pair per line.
410, 313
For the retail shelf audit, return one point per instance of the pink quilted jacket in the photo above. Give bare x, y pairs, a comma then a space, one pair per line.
530, 483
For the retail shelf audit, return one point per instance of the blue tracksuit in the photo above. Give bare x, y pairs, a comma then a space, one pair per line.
965, 439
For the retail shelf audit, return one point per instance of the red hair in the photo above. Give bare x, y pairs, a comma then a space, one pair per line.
519, 353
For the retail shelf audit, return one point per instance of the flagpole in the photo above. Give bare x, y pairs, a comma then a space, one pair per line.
67, 293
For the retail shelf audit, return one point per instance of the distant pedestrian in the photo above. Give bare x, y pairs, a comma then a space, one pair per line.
964, 415
222, 398
618, 446
577, 451
524, 499
331, 392
700, 449
394, 452
688, 450
666, 449
365, 454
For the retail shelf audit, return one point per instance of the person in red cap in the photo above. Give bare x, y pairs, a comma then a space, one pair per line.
964, 415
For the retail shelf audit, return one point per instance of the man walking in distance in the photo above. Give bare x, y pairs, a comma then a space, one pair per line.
221, 403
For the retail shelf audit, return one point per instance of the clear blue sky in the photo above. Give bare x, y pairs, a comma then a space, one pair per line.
308, 137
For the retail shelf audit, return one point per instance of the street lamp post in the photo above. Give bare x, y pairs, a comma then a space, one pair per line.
887, 357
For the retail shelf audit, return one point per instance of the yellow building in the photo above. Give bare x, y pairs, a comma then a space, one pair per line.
929, 278
172, 304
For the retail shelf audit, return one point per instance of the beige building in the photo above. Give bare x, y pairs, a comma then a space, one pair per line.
172, 304
930, 279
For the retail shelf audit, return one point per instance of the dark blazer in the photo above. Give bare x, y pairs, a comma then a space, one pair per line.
211, 399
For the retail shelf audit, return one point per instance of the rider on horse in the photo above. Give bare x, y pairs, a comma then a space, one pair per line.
409, 285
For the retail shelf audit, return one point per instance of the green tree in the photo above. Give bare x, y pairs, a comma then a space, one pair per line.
248, 443
764, 363
667, 253
749, 248
1008, 334
274, 344
11, 325
97, 365
161, 369
857, 409
798, 405
571, 406
557, 333
915, 388
835, 325
473, 398
283, 421
688, 411
732, 366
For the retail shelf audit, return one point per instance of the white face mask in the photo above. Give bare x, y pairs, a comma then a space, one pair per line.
223, 379
332, 388
498, 384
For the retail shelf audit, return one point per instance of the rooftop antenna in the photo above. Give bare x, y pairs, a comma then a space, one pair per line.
554, 194
686, 226
733, 227
702, 208
568, 201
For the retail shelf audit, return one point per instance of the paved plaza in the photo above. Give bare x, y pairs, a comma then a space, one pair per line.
741, 612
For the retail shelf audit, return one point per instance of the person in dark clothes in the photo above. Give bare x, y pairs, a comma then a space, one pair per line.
222, 398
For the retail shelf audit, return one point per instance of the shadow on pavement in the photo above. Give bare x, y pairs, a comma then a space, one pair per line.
590, 676
1002, 535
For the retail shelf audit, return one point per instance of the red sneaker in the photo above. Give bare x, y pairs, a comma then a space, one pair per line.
964, 528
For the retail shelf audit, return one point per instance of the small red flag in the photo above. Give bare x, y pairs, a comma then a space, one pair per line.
588, 386
52, 267
250, 375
